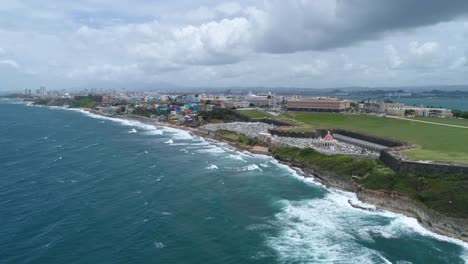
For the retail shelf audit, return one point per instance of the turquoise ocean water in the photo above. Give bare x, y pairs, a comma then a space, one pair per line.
79, 188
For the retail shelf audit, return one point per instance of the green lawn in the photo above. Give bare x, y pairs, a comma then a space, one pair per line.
233, 136
450, 121
242, 139
447, 144
255, 114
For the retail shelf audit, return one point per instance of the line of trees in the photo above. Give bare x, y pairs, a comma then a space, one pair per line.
458, 113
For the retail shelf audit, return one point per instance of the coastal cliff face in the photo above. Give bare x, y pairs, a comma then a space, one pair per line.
436, 222
430, 219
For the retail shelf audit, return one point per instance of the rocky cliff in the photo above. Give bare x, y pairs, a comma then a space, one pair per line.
430, 219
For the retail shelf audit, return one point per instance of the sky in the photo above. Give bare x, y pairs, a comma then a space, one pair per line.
245, 43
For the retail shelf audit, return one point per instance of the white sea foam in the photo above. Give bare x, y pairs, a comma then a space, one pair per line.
178, 133
132, 131
166, 213
159, 245
294, 173
321, 231
211, 150
212, 167
236, 157
170, 141
149, 129
250, 167
326, 230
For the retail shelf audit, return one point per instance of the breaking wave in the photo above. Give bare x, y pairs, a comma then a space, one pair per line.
250, 167
212, 167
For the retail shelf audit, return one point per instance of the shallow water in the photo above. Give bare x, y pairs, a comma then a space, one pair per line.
80, 188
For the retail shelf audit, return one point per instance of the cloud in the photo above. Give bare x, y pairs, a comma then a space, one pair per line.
106, 72
10, 63
239, 43
459, 63
315, 69
423, 49
298, 25
211, 43
394, 59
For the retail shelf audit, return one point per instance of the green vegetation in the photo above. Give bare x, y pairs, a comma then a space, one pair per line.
41, 101
434, 142
219, 115
462, 114
448, 121
255, 114
446, 194
235, 137
85, 103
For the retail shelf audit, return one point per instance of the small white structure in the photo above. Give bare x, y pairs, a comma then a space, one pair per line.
326, 141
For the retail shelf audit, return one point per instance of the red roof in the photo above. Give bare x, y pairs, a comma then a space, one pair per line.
328, 136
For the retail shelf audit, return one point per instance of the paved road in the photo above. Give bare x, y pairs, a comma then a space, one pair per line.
427, 122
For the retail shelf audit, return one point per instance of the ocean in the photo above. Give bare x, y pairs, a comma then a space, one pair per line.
450, 103
81, 188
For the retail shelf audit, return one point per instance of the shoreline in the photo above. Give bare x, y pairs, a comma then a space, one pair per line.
455, 228
447, 228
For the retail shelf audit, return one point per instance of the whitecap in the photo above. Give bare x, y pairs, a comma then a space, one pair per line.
166, 213
133, 130
250, 167
212, 167
211, 150
178, 133
236, 157
159, 245
170, 141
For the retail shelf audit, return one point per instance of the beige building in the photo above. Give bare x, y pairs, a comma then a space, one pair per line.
380, 107
325, 104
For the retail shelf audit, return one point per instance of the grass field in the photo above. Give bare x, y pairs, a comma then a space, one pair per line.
242, 139
440, 143
449, 121
255, 114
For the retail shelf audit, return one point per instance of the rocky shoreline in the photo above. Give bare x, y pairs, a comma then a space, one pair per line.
428, 218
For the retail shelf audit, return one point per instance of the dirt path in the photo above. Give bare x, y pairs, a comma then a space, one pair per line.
427, 122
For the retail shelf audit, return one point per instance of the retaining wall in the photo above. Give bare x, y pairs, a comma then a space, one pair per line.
393, 159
